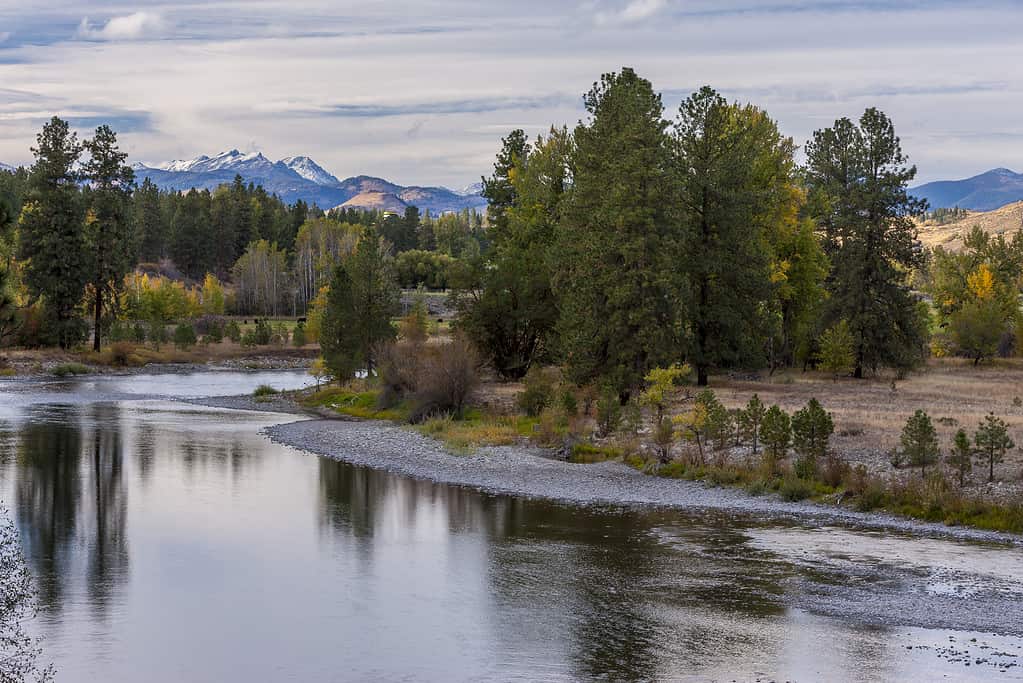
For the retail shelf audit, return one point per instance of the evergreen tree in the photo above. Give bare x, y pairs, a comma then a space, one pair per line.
776, 433
961, 457
192, 245
499, 189
812, 427
109, 226
618, 310
920, 441
751, 419
837, 349
734, 168
992, 440
363, 297
151, 225
858, 192
8, 309
53, 243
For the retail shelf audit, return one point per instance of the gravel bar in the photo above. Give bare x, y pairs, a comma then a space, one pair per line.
524, 471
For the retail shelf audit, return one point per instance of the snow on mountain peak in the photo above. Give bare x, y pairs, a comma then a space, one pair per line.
310, 170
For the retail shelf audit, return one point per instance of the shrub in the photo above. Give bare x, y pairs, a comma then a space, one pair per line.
157, 333
609, 412
298, 339
448, 377
121, 353
569, 403
263, 333
209, 324
249, 339
119, 331
233, 332
69, 369
836, 353
795, 488
138, 333
398, 369
538, 393
961, 457
264, 390
184, 336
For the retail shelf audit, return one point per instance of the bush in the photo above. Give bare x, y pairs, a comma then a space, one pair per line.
138, 333
538, 393
812, 427
249, 339
157, 333
184, 336
795, 488
264, 390
233, 332
569, 403
263, 333
210, 324
298, 339
398, 367
69, 369
447, 379
121, 354
119, 331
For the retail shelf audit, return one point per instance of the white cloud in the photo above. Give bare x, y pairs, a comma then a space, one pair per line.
633, 11
135, 26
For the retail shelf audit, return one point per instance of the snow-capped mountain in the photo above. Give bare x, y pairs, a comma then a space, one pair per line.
5, 167
300, 178
469, 190
310, 170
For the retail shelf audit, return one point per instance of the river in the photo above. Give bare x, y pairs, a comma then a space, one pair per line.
173, 542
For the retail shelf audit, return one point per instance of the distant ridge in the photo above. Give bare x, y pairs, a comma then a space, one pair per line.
300, 178
984, 192
1005, 221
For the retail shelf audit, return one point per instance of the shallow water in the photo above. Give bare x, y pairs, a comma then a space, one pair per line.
173, 542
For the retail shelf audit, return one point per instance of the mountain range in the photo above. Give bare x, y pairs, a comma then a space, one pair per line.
985, 192
301, 178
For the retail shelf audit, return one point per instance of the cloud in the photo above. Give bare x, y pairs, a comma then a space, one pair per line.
137, 26
634, 11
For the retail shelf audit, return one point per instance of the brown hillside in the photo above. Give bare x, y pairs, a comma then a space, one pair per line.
1004, 221
379, 201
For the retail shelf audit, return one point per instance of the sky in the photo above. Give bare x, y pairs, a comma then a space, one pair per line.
422, 92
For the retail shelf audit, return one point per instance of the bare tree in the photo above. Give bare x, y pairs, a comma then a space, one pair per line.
19, 651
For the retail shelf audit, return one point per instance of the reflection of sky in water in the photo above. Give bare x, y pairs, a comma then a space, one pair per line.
946, 566
173, 542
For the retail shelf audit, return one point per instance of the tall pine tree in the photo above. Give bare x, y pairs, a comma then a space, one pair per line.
109, 226
618, 308
858, 180
52, 237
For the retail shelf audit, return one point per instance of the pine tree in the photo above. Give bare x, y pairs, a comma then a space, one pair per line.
151, 225
52, 236
192, 242
751, 419
961, 457
110, 230
733, 167
776, 433
812, 427
992, 440
618, 309
920, 442
499, 189
837, 350
363, 297
858, 182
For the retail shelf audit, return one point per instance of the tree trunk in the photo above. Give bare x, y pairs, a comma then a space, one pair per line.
98, 311
701, 376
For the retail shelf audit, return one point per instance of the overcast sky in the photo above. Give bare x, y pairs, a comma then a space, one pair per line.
421, 92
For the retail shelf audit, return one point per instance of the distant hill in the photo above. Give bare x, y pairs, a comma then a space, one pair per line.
301, 178
1006, 220
984, 192
5, 167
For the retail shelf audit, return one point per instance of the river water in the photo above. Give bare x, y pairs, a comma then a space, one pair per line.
173, 542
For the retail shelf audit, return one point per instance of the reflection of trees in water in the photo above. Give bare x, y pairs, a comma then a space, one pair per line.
145, 450
48, 496
71, 496
108, 547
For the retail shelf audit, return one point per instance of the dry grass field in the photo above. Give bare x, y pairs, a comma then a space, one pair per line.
1007, 221
869, 414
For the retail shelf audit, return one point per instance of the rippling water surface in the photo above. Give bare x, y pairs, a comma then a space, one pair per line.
174, 543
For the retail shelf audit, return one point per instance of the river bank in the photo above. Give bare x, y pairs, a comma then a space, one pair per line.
533, 472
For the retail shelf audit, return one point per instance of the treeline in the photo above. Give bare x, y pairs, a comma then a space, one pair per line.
634, 242
75, 225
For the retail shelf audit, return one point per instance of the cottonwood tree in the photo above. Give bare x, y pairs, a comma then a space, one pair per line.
992, 440
509, 309
53, 246
858, 180
109, 228
734, 171
618, 309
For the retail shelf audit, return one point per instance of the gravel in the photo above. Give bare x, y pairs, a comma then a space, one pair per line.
527, 472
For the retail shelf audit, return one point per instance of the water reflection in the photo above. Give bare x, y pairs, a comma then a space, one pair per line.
143, 519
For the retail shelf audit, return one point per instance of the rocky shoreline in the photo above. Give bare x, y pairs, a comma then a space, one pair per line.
530, 472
